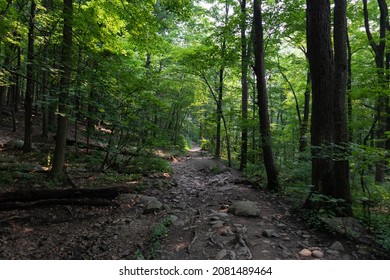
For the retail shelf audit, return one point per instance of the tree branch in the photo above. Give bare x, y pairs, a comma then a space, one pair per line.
367, 27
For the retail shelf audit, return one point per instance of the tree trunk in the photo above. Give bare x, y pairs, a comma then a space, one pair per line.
349, 89
303, 141
321, 68
244, 88
45, 85
379, 50
265, 128
28, 99
341, 164
66, 58
219, 100
330, 167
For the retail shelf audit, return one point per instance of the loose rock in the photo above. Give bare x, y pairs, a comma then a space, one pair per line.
305, 253
221, 254
244, 208
337, 246
317, 254
216, 224
153, 205
268, 233
333, 252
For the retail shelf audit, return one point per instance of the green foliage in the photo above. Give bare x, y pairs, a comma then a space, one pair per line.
182, 143
216, 169
159, 232
205, 144
149, 164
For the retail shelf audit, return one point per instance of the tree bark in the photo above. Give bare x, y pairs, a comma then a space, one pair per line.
330, 167
28, 100
244, 87
303, 139
320, 56
219, 112
341, 164
265, 127
66, 58
379, 50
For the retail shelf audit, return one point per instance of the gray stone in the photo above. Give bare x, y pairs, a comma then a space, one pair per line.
268, 233
153, 205
227, 232
219, 216
221, 254
244, 208
176, 221
337, 246
333, 252
216, 224
281, 225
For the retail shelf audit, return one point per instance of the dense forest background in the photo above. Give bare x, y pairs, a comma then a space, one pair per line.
294, 94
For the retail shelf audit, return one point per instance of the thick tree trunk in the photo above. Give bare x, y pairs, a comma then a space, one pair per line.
330, 167
28, 100
66, 58
320, 56
265, 128
244, 87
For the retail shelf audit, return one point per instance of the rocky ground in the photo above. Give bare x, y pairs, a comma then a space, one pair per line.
204, 210
217, 214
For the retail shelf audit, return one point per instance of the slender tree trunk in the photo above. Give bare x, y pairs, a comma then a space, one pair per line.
217, 154
303, 141
66, 58
341, 164
28, 100
349, 89
265, 127
379, 50
220, 90
244, 87
45, 85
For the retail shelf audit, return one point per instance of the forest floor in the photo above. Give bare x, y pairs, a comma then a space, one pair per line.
202, 210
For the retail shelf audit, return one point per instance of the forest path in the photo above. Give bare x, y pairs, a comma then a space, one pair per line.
261, 228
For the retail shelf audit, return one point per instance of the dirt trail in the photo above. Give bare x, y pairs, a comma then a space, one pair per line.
204, 228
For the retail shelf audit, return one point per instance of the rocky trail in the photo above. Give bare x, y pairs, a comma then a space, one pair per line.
217, 214
204, 210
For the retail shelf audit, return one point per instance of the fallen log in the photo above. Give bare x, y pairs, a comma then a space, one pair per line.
7, 206
35, 195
